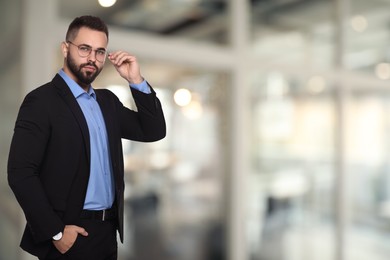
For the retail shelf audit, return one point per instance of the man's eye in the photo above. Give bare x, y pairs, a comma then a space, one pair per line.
101, 52
84, 48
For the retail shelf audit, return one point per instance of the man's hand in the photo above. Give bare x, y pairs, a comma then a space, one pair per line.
126, 65
69, 237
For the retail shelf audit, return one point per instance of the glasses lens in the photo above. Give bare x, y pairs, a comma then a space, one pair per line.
100, 55
84, 50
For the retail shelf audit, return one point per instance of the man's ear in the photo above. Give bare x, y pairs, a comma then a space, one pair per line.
64, 49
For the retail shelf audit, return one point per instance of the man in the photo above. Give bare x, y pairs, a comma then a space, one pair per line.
65, 165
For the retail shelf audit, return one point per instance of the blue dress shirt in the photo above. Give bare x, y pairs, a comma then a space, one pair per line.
100, 192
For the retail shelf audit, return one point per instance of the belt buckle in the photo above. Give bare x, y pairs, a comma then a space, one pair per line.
104, 215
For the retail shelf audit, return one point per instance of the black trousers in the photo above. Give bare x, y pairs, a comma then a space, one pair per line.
100, 244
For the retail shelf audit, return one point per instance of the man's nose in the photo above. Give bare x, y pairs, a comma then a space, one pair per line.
92, 56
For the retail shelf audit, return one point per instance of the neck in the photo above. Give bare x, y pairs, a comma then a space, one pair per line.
83, 86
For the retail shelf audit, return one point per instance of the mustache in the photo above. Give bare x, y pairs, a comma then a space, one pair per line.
90, 63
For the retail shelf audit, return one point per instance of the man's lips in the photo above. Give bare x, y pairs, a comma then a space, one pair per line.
90, 68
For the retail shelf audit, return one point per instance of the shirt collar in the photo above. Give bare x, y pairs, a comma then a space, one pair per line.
77, 91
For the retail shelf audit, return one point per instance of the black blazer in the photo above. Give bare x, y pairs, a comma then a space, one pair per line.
49, 159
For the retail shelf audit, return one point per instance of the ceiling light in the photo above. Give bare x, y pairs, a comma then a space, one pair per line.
359, 23
107, 3
182, 97
382, 71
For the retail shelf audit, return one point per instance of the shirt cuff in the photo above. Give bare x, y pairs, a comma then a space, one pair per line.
143, 87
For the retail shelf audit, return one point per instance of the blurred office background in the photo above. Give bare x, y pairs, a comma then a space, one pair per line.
278, 116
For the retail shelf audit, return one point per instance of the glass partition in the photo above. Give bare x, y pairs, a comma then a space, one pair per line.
291, 210
369, 174
290, 207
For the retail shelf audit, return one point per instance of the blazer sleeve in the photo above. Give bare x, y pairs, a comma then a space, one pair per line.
148, 123
31, 134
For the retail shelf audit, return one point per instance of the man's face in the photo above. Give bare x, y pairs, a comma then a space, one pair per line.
84, 70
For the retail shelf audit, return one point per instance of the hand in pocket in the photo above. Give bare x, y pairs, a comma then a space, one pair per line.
69, 237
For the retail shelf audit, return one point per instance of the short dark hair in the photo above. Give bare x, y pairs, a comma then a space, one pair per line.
91, 22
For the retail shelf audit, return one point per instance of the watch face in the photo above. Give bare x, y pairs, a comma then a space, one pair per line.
58, 236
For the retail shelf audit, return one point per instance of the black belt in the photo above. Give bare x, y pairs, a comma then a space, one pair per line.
103, 215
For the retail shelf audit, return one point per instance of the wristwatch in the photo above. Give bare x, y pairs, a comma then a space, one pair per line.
58, 236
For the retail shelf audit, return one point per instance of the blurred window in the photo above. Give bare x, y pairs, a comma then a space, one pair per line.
367, 31
293, 32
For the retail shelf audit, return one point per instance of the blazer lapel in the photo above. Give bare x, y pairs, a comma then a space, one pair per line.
70, 100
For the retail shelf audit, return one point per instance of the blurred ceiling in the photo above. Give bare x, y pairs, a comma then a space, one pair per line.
198, 19
272, 22
191, 18
208, 19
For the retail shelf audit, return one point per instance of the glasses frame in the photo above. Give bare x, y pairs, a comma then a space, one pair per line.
83, 54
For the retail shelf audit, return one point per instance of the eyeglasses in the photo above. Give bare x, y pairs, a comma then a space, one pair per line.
85, 51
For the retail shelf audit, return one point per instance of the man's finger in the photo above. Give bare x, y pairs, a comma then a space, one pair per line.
81, 231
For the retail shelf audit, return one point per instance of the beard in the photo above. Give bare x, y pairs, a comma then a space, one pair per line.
86, 77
